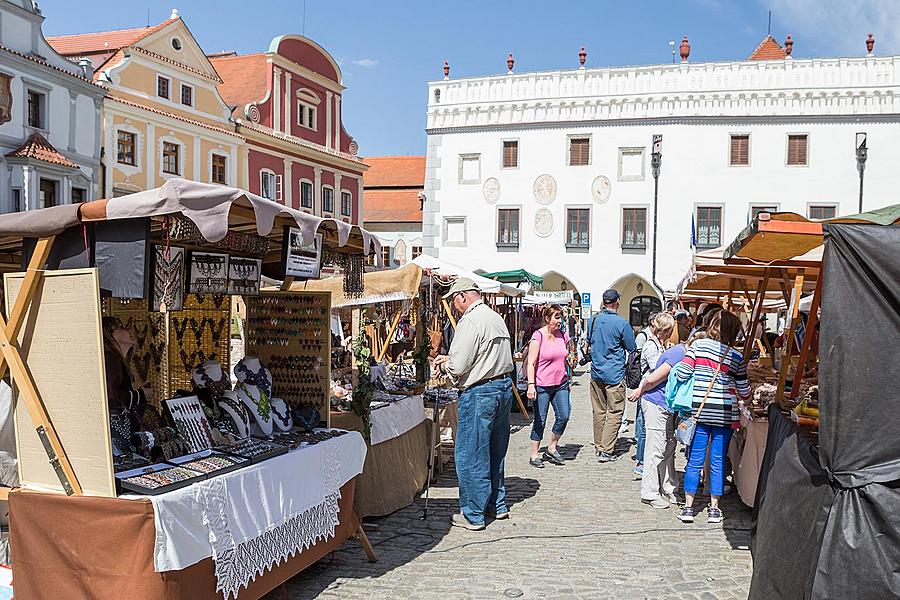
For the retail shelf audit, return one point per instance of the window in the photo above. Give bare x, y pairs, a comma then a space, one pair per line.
269, 185
48, 193
578, 228
386, 255
170, 158
187, 95
78, 195
510, 154
579, 151
631, 164
306, 115
634, 228
469, 168
327, 200
219, 163
176, 43
796, 153
709, 227
455, 233
508, 228
36, 102
17, 199
740, 150
162, 86
306, 194
346, 204
822, 212
755, 210
125, 148
416, 251
640, 308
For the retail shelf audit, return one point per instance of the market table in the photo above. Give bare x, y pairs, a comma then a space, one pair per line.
238, 534
746, 462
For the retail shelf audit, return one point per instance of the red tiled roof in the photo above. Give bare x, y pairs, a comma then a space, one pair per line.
395, 171
243, 78
102, 41
391, 206
38, 148
768, 49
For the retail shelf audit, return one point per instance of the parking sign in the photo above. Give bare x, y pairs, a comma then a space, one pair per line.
586, 298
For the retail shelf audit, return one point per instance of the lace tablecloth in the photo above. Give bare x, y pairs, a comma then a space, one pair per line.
256, 517
395, 419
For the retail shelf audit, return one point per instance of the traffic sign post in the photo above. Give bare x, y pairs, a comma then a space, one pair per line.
586, 298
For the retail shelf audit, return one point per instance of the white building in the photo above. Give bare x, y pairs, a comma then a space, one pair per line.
49, 117
551, 171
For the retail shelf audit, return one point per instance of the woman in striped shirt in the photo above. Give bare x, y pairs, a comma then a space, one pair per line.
719, 416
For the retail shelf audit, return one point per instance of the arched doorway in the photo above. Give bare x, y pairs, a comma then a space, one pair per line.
638, 298
557, 282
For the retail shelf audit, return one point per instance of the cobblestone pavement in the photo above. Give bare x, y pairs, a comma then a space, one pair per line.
576, 531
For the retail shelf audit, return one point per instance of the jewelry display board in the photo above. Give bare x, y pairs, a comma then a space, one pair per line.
290, 333
73, 390
190, 422
148, 360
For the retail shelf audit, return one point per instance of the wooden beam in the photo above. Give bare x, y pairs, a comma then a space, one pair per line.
387, 341
789, 339
757, 311
807, 338
287, 283
519, 398
449, 313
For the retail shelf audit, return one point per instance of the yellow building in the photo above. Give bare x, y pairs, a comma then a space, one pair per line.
163, 116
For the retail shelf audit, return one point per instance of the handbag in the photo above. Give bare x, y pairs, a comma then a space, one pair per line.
679, 393
684, 433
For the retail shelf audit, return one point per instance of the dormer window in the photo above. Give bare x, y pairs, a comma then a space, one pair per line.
307, 107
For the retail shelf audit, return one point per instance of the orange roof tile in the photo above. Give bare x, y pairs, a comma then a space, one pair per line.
395, 171
768, 49
244, 78
101, 41
392, 206
38, 148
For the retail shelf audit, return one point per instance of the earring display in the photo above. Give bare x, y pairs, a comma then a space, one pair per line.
157, 479
210, 462
190, 422
254, 449
289, 332
168, 278
209, 273
244, 276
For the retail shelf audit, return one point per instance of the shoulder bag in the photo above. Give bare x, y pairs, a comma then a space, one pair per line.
684, 433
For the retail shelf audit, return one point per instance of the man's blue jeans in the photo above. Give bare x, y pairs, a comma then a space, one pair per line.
640, 434
481, 444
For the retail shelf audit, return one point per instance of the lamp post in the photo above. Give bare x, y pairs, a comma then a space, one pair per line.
862, 153
655, 163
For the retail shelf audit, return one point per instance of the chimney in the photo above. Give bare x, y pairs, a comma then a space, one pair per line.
788, 46
685, 49
87, 69
870, 44
510, 61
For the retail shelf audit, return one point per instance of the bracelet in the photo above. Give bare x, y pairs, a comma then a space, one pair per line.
530, 383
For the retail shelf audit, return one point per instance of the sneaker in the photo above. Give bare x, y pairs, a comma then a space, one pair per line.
656, 502
686, 515
605, 457
714, 515
499, 516
553, 457
536, 462
459, 520
638, 469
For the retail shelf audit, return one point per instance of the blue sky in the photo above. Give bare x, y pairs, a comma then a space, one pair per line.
389, 49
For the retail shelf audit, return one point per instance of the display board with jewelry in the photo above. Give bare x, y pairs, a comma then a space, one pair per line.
289, 332
157, 479
190, 422
210, 462
254, 449
298, 439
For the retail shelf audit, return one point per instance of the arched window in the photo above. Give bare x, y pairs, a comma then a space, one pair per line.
640, 309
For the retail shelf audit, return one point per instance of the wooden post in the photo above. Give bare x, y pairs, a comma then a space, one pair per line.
518, 397
789, 339
807, 338
757, 311
287, 283
364, 542
449, 313
387, 341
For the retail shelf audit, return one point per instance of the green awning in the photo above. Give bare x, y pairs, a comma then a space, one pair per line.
515, 276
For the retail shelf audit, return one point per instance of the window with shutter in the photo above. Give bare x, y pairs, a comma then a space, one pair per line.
797, 154
510, 155
579, 151
740, 150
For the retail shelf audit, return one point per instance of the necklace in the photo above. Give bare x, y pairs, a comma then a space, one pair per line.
263, 406
216, 388
259, 378
285, 420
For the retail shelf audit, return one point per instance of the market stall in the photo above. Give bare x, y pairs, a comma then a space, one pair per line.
218, 484
845, 540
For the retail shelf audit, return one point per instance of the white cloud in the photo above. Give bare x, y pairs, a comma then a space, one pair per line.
365, 62
838, 27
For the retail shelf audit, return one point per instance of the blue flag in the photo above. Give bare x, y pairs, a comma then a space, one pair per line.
693, 233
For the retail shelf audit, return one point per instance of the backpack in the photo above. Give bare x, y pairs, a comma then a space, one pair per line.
633, 372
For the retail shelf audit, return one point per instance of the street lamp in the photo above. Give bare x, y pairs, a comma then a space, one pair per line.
862, 153
655, 163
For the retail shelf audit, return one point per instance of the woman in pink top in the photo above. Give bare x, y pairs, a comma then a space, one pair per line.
549, 353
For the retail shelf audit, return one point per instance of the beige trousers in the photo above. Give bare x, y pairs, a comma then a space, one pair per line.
608, 402
659, 452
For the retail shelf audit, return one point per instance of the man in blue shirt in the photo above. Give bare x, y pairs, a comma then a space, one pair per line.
609, 336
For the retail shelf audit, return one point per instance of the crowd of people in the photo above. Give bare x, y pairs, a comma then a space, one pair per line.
677, 356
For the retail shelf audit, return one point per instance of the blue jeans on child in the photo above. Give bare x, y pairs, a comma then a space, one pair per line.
482, 440
640, 434
721, 438
558, 397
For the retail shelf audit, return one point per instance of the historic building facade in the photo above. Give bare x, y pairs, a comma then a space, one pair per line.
163, 116
287, 105
49, 117
553, 171
392, 207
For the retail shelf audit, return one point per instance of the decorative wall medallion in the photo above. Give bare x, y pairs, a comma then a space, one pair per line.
354, 147
251, 111
491, 190
545, 189
543, 222
601, 188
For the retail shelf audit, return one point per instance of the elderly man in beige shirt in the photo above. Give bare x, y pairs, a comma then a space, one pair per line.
479, 364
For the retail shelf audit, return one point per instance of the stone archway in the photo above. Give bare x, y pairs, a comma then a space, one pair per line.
555, 281
631, 287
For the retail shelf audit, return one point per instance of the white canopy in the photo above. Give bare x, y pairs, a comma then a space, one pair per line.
445, 269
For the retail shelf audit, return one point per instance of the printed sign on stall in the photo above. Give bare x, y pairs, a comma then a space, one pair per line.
301, 260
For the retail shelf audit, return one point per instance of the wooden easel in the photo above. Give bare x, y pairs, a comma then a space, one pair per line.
20, 375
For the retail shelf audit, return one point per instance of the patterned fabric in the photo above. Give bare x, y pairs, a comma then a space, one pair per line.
700, 362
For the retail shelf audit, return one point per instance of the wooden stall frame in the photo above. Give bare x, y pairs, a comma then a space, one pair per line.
794, 308
807, 338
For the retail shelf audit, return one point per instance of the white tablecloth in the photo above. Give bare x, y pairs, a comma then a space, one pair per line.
253, 518
396, 418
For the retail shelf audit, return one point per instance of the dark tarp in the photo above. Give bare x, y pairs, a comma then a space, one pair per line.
842, 540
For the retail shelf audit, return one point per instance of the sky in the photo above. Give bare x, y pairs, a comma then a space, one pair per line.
389, 49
